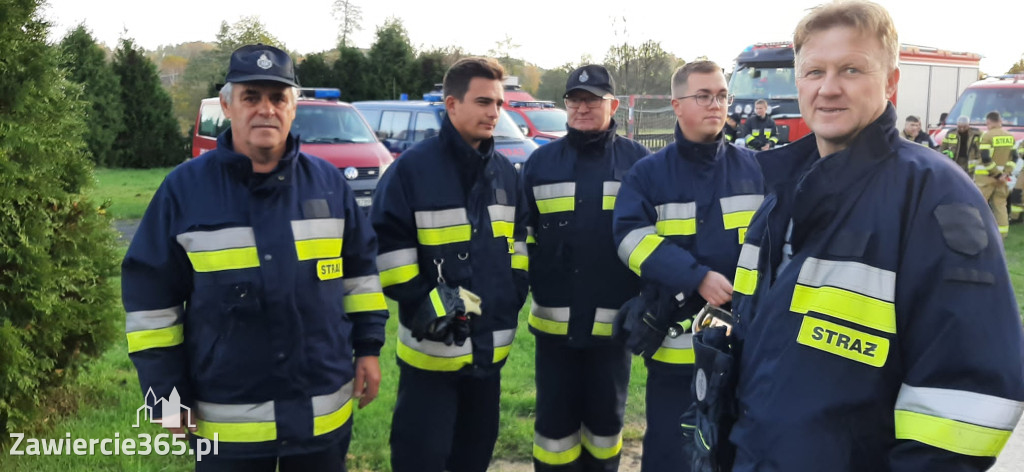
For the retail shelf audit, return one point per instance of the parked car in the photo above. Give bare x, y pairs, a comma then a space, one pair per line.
402, 123
540, 120
326, 127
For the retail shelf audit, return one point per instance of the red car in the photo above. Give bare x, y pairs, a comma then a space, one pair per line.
538, 119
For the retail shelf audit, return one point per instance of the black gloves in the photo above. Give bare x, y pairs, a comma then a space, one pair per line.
644, 320
444, 315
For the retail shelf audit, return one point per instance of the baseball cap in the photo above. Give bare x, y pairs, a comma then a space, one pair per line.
592, 78
255, 62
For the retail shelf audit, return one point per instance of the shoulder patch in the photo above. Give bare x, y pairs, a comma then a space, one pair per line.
847, 243
316, 208
963, 229
964, 274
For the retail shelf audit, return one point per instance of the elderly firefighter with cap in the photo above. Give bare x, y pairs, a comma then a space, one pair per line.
252, 290
453, 255
962, 145
679, 218
992, 174
578, 283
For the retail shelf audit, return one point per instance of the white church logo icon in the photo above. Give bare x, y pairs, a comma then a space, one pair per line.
170, 409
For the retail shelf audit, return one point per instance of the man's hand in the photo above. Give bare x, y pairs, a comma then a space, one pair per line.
715, 289
766, 147
367, 379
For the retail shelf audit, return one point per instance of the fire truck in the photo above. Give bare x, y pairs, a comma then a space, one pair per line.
931, 80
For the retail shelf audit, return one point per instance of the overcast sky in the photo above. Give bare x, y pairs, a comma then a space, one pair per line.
549, 32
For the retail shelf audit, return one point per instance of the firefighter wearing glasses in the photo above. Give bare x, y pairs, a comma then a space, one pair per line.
679, 218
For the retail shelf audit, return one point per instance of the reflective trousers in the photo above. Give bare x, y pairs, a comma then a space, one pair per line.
444, 421
581, 398
995, 192
669, 394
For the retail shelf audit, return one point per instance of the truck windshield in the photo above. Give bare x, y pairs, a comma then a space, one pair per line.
548, 120
976, 103
754, 82
329, 125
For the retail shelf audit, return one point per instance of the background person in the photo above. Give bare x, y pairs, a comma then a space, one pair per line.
912, 132
760, 130
962, 145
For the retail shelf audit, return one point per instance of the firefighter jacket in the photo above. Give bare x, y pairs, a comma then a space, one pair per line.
880, 329
922, 138
447, 212
963, 148
996, 147
764, 128
247, 296
578, 282
682, 212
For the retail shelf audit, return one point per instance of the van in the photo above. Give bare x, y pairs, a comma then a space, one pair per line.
326, 127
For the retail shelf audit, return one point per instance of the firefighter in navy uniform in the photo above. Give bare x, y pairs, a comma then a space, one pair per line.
962, 145
578, 283
732, 127
880, 328
679, 218
912, 132
760, 131
991, 175
251, 285
453, 255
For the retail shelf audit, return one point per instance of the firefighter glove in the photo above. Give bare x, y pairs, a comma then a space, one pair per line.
444, 315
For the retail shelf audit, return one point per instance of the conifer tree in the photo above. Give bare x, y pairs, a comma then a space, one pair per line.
150, 137
87, 64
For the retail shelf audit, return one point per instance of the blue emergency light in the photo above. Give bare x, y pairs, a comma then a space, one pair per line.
322, 93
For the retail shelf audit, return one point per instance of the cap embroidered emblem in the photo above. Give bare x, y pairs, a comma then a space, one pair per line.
584, 77
264, 62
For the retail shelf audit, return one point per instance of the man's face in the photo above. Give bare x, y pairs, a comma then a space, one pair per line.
963, 127
476, 115
843, 84
261, 116
592, 114
912, 128
761, 110
699, 123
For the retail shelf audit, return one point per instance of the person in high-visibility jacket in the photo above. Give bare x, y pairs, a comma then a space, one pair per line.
760, 129
578, 283
252, 291
453, 255
879, 327
679, 218
998, 160
961, 145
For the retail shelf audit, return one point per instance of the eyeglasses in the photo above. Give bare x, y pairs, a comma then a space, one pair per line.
704, 99
592, 101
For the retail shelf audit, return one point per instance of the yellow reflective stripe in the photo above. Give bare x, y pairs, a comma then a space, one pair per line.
502, 341
608, 202
332, 421
739, 219
985, 147
502, 229
237, 432
676, 227
502, 220
555, 205
1002, 141
601, 447
531, 239
520, 262
643, 250
557, 451
1004, 230
154, 338
845, 305
318, 248
399, 275
365, 302
951, 435
548, 326
610, 190
441, 236
603, 319
674, 356
427, 362
601, 329
844, 342
745, 281
435, 301
225, 259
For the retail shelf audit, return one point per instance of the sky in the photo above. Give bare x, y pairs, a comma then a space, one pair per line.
548, 33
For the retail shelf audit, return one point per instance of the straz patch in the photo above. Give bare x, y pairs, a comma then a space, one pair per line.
329, 269
843, 342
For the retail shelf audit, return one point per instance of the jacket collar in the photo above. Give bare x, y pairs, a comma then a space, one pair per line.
698, 152
591, 142
459, 148
240, 165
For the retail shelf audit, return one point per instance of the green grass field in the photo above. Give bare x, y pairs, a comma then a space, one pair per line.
129, 190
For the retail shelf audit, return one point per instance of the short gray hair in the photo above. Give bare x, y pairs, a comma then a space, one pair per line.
225, 92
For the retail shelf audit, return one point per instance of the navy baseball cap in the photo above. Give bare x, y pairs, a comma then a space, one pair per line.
256, 62
592, 78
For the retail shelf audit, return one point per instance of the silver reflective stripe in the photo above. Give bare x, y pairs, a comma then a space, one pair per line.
152, 319
748, 256
852, 276
228, 238
611, 188
630, 242
544, 192
557, 445
683, 341
677, 211
327, 404
603, 442
605, 315
503, 337
559, 314
519, 248
433, 348
318, 228
960, 405
243, 413
741, 203
441, 218
399, 258
367, 284
530, 231
502, 213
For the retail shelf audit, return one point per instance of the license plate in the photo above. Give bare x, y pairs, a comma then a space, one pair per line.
364, 201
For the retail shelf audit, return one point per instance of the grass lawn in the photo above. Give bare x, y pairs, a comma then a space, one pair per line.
129, 190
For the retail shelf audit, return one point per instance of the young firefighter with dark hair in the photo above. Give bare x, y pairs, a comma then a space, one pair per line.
679, 218
453, 255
